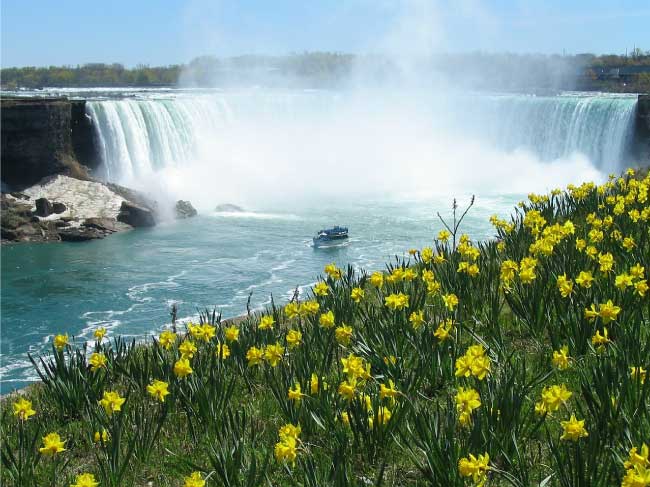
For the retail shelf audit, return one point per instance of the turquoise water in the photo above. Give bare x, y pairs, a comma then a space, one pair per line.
128, 281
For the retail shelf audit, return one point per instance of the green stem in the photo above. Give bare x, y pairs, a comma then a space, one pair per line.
21, 443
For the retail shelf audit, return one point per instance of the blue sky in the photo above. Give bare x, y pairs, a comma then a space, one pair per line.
57, 32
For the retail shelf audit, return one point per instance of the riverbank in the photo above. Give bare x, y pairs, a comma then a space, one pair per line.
62, 208
510, 349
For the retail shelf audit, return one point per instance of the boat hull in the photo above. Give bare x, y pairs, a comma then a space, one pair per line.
330, 241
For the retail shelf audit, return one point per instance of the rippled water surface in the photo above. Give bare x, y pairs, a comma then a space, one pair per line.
128, 281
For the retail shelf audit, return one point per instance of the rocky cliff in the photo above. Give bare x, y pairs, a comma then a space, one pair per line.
643, 112
40, 137
642, 133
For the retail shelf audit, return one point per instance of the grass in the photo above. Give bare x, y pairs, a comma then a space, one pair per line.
388, 408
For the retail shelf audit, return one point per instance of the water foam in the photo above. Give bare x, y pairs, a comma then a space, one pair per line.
261, 146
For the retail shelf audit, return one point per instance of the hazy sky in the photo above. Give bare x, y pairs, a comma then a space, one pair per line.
160, 32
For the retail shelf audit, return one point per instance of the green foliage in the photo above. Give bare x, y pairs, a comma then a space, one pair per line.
422, 387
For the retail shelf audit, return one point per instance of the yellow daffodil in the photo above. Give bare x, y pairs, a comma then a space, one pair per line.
467, 400
343, 334
450, 300
333, 271
623, 281
254, 356
52, 444
187, 349
600, 340
231, 334
388, 391
417, 319
561, 359
295, 393
357, 294
573, 429
397, 301
61, 341
85, 480
101, 437
158, 390
182, 368
555, 396
167, 339
565, 286
347, 389
97, 361
606, 262
99, 334
608, 311
321, 289
326, 320
636, 458
194, 480
292, 310
443, 330
112, 402
294, 338
273, 354
266, 322
584, 279
377, 279
23, 409
474, 467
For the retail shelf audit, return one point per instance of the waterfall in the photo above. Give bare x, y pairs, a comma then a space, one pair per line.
139, 136
600, 127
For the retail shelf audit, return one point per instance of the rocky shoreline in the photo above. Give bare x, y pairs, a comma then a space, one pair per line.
48, 191
62, 208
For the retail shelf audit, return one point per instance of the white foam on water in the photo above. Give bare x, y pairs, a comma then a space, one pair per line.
255, 215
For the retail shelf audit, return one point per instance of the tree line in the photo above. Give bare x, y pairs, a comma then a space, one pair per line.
326, 69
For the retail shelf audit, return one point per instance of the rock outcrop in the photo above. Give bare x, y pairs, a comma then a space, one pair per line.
643, 112
184, 209
641, 146
61, 208
43, 207
135, 215
36, 141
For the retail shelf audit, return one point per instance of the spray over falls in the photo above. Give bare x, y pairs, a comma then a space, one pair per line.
372, 141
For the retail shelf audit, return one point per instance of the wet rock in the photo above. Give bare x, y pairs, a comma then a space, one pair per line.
184, 209
61, 223
107, 225
28, 230
43, 207
135, 215
58, 208
80, 234
8, 233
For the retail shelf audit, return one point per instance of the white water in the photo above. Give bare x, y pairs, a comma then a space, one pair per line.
246, 143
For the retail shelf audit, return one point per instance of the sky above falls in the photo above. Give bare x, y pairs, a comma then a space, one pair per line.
70, 32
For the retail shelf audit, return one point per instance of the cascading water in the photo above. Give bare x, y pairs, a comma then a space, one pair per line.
140, 136
600, 127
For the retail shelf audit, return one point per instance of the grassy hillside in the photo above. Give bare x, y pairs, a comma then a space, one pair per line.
516, 362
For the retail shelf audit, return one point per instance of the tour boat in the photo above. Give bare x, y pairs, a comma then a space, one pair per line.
331, 236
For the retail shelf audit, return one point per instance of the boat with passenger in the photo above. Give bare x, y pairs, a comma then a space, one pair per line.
330, 237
